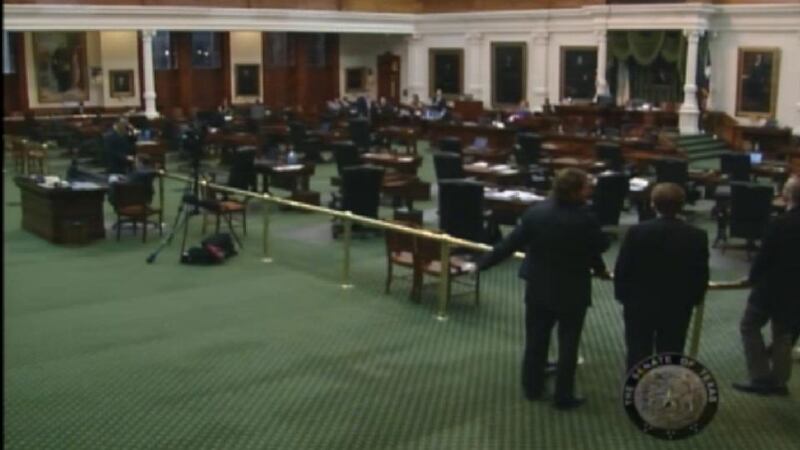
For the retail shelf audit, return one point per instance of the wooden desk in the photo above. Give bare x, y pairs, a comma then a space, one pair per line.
292, 177
406, 136
53, 213
489, 155
496, 137
502, 175
507, 206
400, 164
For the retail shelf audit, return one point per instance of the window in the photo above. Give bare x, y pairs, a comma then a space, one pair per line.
206, 50
9, 56
508, 73
164, 57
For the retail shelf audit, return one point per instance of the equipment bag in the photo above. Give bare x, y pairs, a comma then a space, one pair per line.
212, 250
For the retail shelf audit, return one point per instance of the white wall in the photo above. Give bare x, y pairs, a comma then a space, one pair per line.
246, 48
725, 53
362, 50
119, 50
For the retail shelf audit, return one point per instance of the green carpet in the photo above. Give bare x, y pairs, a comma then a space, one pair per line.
103, 351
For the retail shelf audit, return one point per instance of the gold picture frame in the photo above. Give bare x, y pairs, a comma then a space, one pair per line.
757, 75
120, 83
60, 67
451, 76
248, 80
506, 67
355, 79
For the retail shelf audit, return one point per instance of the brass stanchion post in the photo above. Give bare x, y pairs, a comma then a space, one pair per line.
348, 234
697, 327
265, 231
444, 281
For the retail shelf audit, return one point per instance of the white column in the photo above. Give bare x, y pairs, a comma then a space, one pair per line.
473, 67
149, 74
537, 77
416, 67
601, 83
796, 129
690, 113
712, 88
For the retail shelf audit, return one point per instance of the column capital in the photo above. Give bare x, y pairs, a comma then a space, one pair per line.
474, 38
693, 34
540, 37
413, 39
148, 34
600, 34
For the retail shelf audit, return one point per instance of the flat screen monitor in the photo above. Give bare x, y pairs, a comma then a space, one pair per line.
755, 158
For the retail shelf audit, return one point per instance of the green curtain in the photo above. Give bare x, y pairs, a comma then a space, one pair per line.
618, 45
645, 45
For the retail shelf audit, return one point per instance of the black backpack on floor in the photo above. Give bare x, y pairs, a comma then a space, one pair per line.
212, 250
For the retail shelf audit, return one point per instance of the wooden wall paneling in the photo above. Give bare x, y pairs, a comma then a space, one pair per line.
15, 85
225, 40
184, 49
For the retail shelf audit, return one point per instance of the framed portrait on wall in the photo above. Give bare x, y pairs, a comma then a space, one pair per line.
247, 80
446, 71
60, 67
120, 83
355, 79
757, 81
509, 70
578, 72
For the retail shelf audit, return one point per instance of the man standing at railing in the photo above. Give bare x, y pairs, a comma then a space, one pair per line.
660, 275
563, 244
774, 299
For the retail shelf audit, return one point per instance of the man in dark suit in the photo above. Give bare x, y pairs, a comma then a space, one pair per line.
563, 244
119, 148
660, 275
774, 299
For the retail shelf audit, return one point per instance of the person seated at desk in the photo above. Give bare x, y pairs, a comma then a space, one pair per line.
522, 111
438, 101
118, 147
363, 107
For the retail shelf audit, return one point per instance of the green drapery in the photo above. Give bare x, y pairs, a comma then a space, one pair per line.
646, 51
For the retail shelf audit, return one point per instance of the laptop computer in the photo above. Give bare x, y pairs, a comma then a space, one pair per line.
755, 158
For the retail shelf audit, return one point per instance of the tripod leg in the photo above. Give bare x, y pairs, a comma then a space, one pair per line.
229, 220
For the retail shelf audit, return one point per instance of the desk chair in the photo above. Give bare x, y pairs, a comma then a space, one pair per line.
345, 153
428, 261
241, 175
360, 134
450, 145
676, 171
527, 152
448, 166
611, 154
297, 133
609, 197
531, 145
131, 200
461, 212
360, 194
751, 206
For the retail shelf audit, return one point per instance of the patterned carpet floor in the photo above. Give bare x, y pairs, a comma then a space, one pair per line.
103, 351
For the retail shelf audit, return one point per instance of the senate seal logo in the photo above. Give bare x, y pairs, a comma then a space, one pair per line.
670, 396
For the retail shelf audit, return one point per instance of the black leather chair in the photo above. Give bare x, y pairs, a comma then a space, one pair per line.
447, 166
360, 134
360, 194
531, 145
297, 134
611, 154
345, 153
751, 206
461, 212
736, 166
609, 197
676, 171
450, 145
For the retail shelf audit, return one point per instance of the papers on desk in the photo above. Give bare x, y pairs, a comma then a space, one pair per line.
480, 165
405, 159
84, 185
513, 195
638, 184
288, 167
501, 167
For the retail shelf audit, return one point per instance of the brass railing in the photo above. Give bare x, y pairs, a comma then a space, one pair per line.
446, 241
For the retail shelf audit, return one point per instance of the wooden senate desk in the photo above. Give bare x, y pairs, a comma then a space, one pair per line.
487, 154
588, 116
405, 136
62, 215
496, 137
500, 175
400, 164
292, 177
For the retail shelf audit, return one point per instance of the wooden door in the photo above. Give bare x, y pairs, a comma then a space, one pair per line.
389, 77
